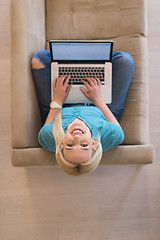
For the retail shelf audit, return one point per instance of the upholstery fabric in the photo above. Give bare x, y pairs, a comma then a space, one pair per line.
94, 19
134, 154
27, 36
135, 117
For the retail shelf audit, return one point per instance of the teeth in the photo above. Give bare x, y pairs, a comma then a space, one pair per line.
78, 130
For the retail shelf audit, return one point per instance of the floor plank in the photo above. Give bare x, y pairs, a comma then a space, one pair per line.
29, 232
134, 229
51, 180
75, 207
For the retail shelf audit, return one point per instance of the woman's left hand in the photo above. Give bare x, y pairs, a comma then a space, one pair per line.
93, 89
61, 89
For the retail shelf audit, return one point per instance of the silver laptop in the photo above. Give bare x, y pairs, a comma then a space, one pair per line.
81, 59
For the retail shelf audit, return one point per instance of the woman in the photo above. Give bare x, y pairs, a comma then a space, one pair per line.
78, 133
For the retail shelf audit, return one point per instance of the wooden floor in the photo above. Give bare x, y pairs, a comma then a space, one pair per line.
112, 203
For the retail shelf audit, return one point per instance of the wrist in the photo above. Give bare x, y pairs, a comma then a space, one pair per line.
99, 102
58, 102
55, 105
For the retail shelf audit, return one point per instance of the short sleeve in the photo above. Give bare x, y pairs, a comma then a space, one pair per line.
46, 139
117, 135
112, 136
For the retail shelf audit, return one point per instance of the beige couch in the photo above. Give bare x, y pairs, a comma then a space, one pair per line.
33, 24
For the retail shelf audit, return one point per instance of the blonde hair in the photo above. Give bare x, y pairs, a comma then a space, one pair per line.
67, 167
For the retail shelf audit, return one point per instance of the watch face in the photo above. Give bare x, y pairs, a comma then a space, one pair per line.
55, 105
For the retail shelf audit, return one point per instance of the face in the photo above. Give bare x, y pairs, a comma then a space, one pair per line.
78, 145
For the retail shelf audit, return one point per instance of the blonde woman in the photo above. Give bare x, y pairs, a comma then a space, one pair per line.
78, 133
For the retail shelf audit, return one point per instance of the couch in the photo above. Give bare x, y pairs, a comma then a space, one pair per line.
33, 24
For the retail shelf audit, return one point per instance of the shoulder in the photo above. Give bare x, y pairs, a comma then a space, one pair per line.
117, 134
112, 136
46, 139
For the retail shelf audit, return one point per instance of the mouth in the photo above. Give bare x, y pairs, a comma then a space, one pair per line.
78, 130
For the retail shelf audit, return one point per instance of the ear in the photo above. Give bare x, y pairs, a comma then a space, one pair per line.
94, 144
61, 146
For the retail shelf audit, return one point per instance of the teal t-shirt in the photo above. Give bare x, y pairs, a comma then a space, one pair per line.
110, 134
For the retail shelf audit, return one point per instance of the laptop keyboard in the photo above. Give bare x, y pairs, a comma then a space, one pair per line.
79, 73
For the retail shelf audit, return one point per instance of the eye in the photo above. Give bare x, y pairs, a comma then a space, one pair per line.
84, 145
70, 145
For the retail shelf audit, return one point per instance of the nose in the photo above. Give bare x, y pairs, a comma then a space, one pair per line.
77, 137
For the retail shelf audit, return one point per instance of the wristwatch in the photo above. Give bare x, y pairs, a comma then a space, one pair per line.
55, 105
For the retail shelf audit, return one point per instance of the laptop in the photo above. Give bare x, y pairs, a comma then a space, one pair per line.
80, 59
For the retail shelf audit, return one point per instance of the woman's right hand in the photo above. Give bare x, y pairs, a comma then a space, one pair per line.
61, 89
93, 92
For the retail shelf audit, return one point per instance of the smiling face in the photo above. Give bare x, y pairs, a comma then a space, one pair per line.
78, 145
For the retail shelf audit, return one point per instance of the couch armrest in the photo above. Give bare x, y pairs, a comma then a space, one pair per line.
27, 36
129, 154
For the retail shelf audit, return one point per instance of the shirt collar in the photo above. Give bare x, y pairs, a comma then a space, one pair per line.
66, 122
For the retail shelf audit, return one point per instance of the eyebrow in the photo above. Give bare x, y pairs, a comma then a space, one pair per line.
81, 148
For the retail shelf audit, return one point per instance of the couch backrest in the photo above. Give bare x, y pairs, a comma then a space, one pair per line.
94, 19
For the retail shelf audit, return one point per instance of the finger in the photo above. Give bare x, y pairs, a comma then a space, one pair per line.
94, 81
54, 82
98, 81
60, 80
66, 81
84, 91
90, 81
57, 81
68, 89
86, 84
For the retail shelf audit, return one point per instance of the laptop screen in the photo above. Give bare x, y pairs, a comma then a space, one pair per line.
81, 51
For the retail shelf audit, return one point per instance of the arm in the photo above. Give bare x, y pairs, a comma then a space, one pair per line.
60, 92
106, 111
51, 115
93, 93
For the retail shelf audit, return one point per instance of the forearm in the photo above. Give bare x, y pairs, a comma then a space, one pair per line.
51, 115
100, 103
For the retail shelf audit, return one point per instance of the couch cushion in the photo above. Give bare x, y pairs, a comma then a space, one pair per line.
92, 19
